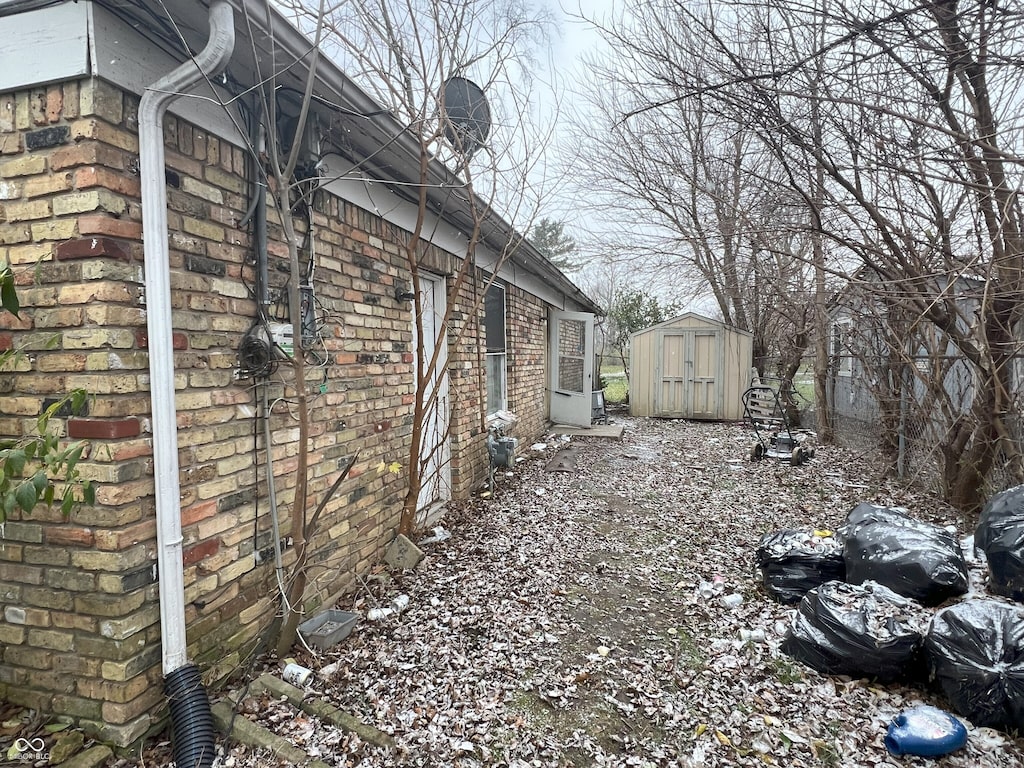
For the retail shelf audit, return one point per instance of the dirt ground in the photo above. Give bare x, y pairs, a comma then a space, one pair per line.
612, 616
563, 623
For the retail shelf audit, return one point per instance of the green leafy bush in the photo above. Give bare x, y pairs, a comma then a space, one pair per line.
32, 467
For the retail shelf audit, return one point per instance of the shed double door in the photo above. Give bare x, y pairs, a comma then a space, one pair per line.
688, 374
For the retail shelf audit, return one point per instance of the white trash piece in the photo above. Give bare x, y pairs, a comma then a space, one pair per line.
296, 674
735, 600
329, 670
400, 603
439, 534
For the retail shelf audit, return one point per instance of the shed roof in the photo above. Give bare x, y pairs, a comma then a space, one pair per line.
680, 320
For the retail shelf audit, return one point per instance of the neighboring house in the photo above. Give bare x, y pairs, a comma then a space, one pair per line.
81, 623
866, 371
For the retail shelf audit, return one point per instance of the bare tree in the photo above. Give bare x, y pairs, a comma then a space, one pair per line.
899, 127
473, 156
704, 192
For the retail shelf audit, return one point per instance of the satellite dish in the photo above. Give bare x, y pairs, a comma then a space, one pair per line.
467, 116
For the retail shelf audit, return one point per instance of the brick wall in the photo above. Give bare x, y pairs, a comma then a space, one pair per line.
80, 626
527, 325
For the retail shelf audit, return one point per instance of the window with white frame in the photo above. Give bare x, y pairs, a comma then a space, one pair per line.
494, 338
842, 355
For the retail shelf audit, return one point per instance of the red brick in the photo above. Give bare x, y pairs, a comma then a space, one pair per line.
69, 535
91, 247
54, 103
92, 176
101, 224
103, 429
91, 153
178, 340
197, 512
200, 551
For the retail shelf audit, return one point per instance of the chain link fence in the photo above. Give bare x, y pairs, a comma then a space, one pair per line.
905, 431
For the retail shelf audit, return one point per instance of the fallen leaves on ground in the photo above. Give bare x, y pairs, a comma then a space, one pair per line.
568, 620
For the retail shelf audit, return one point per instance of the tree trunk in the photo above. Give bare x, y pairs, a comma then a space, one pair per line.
296, 589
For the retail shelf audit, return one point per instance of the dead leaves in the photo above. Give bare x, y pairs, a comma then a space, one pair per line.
615, 619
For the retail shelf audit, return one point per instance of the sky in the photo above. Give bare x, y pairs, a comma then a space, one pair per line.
573, 41
597, 233
578, 37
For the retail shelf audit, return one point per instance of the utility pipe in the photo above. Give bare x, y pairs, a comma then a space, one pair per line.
154, 103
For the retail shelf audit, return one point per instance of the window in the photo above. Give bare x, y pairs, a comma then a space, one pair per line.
494, 338
842, 355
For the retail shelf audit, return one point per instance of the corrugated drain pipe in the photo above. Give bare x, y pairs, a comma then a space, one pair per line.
191, 719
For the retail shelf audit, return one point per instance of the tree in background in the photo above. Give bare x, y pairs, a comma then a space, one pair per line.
702, 199
548, 236
897, 131
633, 310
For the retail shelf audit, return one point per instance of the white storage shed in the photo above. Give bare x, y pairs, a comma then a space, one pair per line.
690, 367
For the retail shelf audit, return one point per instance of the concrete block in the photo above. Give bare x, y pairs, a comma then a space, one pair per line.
402, 553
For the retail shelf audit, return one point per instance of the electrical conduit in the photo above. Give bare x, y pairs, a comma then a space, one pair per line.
191, 720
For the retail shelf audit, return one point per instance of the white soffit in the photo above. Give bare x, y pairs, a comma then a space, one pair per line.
44, 46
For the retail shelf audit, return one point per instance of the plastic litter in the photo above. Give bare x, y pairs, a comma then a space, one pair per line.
975, 652
440, 533
708, 589
735, 600
911, 557
329, 670
861, 630
793, 562
1000, 535
926, 731
296, 674
399, 603
378, 614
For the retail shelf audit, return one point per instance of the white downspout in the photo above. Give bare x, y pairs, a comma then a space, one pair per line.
155, 100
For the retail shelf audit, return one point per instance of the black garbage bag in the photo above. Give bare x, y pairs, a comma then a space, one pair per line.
1000, 535
861, 630
793, 562
975, 653
911, 557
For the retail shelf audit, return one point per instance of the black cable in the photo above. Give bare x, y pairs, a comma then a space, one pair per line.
151, 22
332, 106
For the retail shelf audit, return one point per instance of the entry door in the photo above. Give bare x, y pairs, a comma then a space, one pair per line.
572, 367
687, 375
435, 447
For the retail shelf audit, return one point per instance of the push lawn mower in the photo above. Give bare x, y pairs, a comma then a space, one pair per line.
766, 413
